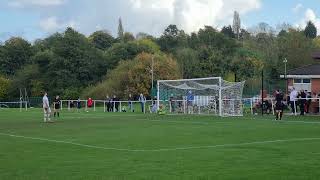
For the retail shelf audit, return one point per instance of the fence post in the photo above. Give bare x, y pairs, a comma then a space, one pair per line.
319, 104
120, 108
104, 106
272, 105
86, 105
251, 105
68, 105
94, 106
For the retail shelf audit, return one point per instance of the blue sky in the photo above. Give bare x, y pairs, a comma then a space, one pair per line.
33, 19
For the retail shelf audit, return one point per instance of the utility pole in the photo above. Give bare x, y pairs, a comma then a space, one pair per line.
152, 73
285, 61
262, 87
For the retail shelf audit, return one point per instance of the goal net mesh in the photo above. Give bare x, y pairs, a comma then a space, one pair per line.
201, 96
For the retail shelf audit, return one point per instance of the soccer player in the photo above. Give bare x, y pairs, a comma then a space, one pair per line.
46, 108
279, 105
56, 106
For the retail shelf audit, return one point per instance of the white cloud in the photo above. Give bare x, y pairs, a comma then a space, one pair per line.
52, 24
191, 15
40, 3
297, 8
309, 15
150, 16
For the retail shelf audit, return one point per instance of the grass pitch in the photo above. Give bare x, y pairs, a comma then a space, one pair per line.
98, 145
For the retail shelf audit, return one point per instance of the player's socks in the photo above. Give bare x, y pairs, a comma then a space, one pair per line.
281, 114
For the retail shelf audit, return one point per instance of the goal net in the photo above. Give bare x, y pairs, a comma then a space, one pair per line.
200, 96
21, 105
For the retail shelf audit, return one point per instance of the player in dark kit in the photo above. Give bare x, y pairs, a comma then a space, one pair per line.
279, 105
56, 106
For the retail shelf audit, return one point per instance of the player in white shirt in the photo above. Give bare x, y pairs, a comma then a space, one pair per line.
293, 100
46, 108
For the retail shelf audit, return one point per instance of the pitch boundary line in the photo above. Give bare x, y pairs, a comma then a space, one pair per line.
163, 149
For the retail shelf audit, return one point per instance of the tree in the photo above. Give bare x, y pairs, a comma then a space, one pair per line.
134, 77
15, 53
310, 31
227, 30
236, 24
188, 60
128, 37
4, 87
129, 50
246, 64
101, 40
296, 47
172, 38
120, 30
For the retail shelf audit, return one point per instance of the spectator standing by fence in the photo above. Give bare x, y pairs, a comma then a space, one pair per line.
130, 103
293, 100
142, 101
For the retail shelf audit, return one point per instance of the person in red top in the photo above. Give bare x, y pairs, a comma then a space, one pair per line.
90, 102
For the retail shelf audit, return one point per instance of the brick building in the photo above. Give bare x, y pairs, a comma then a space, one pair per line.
305, 78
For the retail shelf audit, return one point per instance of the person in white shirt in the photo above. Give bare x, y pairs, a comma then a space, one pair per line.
293, 100
46, 108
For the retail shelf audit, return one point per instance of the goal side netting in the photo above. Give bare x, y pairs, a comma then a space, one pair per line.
200, 96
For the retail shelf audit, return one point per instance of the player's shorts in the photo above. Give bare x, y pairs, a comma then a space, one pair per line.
46, 110
279, 106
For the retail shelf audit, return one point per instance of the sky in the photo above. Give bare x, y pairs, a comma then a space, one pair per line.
34, 19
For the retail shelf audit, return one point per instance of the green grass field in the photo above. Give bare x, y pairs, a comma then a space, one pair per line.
136, 146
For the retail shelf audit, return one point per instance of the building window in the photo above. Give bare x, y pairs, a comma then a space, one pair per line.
302, 84
306, 81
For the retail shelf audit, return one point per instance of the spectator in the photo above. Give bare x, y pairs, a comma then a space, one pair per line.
293, 100
302, 100
142, 101
116, 102
90, 103
130, 103
308, 102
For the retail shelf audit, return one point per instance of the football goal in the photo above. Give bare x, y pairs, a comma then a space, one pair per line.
211, 95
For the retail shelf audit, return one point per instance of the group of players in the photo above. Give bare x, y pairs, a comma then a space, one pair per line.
47, 109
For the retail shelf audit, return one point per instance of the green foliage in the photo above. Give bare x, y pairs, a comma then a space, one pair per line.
101, 40
311, 30
69, 63
15, 53
227, 31
129, 50
4, 87
172, 38
134, 77
128, 37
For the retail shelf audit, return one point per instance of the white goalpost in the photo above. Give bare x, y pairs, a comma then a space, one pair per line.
211, 95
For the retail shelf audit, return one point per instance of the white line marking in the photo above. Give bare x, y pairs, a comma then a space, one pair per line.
287, 121
164, 149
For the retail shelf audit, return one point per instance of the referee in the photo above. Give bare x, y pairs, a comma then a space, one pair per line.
56, 106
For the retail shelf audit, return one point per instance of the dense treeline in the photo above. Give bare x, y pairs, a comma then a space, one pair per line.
72, 65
